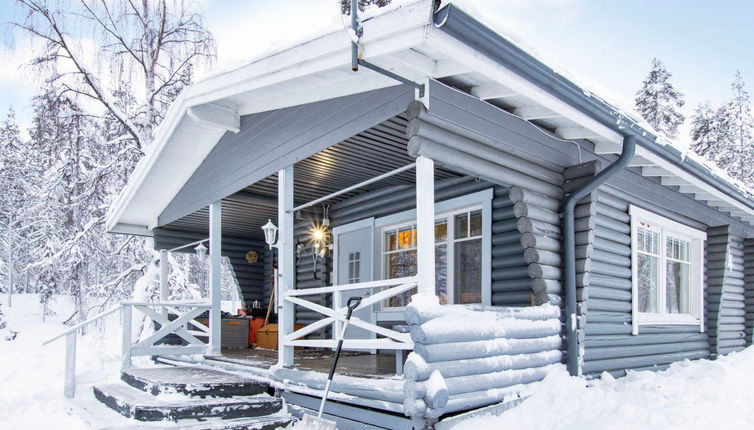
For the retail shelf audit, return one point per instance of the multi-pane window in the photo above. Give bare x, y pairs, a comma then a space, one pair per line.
667, 270
458, 257
354, 267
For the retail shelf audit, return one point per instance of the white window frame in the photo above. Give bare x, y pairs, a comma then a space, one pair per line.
450, 243
470, 202
667, 227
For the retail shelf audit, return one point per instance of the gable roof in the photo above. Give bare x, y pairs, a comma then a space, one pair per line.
413, 41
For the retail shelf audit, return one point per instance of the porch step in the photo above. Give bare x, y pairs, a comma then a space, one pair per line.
257, 423
134, 403
193, 381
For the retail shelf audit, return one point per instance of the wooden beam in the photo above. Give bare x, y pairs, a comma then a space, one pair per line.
534, 112
640, 162
215, 271
492, 91
216, 116
287, 264
425, 224
655, 171
672, 181
574, 133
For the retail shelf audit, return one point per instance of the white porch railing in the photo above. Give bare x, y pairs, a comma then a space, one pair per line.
391, 339
184, 326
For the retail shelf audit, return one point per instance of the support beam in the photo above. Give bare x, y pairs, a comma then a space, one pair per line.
215, 264
655, 171
492, 91
574, 133
425, 224
534, 112
164, 273
287, 265
216, 116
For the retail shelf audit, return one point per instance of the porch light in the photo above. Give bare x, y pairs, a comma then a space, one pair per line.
270, 233
201, 250
318, 235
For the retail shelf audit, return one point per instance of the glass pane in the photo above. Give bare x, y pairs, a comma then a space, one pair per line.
648, 272
399, 265
441, 273
441, 230
677, 287
476, 223
391, 240
677, 249
468, 271
407, 238
647, 240
462, 226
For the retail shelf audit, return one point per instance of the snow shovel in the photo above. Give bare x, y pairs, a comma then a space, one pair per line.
311, 422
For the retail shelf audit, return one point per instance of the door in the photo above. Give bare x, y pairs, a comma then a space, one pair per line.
354, 247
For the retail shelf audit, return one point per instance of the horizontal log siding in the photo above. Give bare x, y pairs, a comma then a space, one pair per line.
609, 344
250, 276
724, 297
749, 293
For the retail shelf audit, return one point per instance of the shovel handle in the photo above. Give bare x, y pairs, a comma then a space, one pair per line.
353, 303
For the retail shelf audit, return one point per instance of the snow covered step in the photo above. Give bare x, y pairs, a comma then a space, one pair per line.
194, 381
257, 423
134, 403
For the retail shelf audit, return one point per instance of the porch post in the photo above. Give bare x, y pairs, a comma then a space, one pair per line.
215, 258
286, 263
425, 224
164, 269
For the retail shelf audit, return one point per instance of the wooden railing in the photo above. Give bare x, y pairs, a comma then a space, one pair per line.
390, 339
184, 326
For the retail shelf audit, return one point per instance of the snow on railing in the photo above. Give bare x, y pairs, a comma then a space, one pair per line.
467, 357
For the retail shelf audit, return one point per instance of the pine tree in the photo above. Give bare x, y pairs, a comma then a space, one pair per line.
659, 103
345, 5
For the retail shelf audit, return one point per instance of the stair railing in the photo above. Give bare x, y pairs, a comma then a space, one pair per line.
69, 389
185, 326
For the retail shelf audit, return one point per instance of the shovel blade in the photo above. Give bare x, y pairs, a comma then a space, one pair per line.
311, 422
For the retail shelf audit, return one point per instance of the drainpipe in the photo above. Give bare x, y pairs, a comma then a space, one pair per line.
569, 247
356, 31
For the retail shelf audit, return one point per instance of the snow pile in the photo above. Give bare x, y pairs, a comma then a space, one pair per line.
701, 394
31, 375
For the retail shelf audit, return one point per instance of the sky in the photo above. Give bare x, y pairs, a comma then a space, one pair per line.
607, 44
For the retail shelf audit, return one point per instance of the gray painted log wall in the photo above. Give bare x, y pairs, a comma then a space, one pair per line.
724, 296
609, 344
749, 293
250, 276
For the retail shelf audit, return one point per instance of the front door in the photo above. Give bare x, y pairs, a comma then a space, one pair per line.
354, 245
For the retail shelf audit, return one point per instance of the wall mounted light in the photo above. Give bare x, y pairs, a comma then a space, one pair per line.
270, 233
201, 250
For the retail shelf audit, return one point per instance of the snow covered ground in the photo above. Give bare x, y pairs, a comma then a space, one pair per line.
31, 375
690, 395
702, 394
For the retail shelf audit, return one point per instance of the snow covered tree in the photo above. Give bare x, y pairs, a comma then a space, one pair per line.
659, 103
725, 135
345, 5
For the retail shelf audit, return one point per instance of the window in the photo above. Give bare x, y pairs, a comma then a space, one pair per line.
354, 267
667, 277
458, 257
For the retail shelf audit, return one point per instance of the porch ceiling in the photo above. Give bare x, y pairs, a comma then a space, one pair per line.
370, 153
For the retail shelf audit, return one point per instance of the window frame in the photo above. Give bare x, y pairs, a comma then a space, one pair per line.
667, 228
450, 243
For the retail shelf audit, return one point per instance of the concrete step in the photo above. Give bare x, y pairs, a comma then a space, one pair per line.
134, 403
269, 422
193, 381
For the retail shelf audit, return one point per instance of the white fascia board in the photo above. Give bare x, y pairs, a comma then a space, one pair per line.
683, 177
390, 32
462, 53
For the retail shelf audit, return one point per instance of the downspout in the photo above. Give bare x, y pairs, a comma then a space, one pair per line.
569, 247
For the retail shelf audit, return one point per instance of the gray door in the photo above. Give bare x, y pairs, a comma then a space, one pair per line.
354, 244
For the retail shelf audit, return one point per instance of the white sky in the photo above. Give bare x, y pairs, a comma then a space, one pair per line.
607, 43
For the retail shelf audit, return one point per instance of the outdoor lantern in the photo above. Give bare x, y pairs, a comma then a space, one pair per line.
201, 250
270, 233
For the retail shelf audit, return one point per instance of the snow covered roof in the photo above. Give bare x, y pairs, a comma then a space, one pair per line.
409, 39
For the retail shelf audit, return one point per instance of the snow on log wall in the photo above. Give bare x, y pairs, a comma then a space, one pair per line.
609, 344
724, 298
749, 293
467, 357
